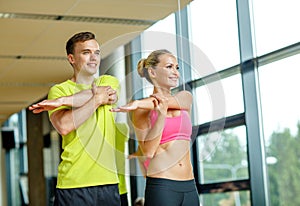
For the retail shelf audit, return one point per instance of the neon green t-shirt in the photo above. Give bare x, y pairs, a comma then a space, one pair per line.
88, 157
122, 136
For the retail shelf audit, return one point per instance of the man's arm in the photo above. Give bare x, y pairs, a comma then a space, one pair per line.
67, 120
75, 101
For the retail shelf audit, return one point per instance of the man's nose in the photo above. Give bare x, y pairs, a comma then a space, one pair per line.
94, 56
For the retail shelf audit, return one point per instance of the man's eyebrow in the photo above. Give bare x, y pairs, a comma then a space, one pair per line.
84, 50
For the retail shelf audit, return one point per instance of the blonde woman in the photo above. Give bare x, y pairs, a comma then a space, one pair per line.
163, 128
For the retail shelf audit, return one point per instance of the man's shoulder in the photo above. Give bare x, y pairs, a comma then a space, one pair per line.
106, 77
104, 80
61, 89
66, 83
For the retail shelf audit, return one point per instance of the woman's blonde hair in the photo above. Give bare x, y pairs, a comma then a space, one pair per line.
151, 61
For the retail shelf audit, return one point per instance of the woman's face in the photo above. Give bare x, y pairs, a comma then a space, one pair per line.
165, 74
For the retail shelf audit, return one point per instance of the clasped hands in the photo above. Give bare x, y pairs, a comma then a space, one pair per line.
155, 101
102, 95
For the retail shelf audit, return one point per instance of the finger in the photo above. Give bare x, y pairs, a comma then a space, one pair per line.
132, 156
33, 106
155, 96
94, 88
155, 102
111, 92
36, 111
115, 110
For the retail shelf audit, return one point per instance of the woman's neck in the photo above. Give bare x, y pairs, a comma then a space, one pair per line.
165, 92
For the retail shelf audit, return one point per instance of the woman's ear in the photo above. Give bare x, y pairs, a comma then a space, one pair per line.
151, 72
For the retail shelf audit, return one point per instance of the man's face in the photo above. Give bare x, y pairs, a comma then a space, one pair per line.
86, 58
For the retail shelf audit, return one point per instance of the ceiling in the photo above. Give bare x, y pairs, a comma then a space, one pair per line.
33, 36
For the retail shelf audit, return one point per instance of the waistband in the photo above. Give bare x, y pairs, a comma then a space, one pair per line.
174, 185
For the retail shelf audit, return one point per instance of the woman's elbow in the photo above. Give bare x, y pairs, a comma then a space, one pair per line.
148, 153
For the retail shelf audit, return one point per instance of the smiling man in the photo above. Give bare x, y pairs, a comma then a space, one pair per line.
79, 111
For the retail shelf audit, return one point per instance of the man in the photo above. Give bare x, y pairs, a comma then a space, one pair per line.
79, 111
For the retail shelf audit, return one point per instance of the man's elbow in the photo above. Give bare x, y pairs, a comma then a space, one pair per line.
62, 129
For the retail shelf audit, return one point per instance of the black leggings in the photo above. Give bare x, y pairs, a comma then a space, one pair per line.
105, 195
165, 192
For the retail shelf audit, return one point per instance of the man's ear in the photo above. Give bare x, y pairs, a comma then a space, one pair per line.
71, 58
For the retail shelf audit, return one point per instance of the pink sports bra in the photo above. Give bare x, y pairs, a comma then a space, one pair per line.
178, 127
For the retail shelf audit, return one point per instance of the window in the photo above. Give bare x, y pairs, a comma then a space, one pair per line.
214, 32
280, 99
276, 24
218, 99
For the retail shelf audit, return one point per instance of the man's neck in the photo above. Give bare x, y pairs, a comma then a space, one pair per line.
83, 80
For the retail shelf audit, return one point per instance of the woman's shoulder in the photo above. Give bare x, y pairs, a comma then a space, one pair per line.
184, 97
184, 93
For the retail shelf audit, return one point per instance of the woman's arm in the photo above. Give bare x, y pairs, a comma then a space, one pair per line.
181, 100
149, 136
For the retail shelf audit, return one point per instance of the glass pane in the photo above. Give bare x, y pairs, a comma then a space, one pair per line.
161, 35
280, 100
222, 156
218, 99
241, 198
276, 24
214, 31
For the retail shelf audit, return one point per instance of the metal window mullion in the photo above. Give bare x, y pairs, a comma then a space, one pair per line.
183, 45
134, 85
255, 144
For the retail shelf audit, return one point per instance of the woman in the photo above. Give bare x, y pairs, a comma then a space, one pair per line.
163, 128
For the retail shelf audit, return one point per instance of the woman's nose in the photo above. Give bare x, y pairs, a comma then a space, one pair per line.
175, 70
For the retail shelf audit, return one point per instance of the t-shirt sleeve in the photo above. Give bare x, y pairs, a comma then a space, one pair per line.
54, 93
108, 80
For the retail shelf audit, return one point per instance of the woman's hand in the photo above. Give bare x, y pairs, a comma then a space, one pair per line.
160, 103
126, 108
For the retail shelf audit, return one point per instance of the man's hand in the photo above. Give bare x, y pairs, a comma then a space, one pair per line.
104, 94
45, 105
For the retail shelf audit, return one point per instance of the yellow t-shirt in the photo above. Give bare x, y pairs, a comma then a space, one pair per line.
88, 157
122, 136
